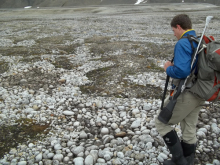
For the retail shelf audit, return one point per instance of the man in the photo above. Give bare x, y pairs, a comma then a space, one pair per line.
188, 105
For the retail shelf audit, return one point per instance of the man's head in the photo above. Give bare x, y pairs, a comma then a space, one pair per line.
180, 23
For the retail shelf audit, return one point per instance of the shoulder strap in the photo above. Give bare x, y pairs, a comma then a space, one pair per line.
192, 39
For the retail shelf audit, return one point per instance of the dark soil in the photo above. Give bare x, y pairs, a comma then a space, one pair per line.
25, 131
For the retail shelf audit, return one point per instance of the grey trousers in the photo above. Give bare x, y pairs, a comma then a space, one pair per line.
186, 113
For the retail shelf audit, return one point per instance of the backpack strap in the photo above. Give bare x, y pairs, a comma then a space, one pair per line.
192, 39
193, 75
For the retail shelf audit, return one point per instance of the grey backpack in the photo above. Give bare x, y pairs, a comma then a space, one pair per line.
206, 80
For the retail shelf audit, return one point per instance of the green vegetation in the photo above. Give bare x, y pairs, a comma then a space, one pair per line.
3, 67
26, 131
30, 59
110, 81
98, 39
64, 62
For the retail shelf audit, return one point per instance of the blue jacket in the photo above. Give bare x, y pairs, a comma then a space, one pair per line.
182, 57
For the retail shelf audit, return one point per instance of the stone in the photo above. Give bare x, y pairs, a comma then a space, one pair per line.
146, 138
94, 154
13, 151
204, 116
28, 110
147, 106
109, 105
215, 128
57, 147
121, 108
114, 126
106, 139
35, 107
136, 123
120, 134
153, 132
107, 157
135, 111
39, 157
160, 159
104, 131
62, 81
23, 82
122, 114
77, 150
203, 130
68, 113
98, 103
83, 135
66, 159
50, 155
89, 160
78, 161
58, 157
149, 145
201, 134
216, 162
116, 161
47, 162
147, 131
164, 156
120, 155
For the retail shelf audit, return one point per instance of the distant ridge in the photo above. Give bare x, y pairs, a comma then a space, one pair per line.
66, 3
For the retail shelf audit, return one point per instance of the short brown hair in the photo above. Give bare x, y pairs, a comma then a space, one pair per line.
183, 20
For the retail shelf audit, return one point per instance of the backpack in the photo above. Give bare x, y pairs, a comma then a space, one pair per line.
206, 79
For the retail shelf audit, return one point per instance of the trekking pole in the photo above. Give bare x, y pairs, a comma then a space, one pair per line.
208, 19
165, 89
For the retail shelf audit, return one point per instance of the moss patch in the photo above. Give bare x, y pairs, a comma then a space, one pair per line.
97, 39
30, 59
34, 80
106, 47
64, 62
25, 131
3, 67
110, 81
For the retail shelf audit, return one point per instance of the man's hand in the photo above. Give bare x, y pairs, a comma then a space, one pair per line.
167, 64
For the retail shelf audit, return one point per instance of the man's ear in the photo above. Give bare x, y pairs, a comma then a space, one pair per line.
178, 27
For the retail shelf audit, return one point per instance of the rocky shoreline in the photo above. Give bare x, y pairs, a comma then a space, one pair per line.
74, 77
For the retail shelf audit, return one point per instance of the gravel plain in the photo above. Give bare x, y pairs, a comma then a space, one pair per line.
82, 85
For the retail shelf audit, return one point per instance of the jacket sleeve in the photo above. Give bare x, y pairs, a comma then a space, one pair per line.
182, 60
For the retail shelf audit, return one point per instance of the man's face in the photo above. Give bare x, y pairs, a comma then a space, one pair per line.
177, 32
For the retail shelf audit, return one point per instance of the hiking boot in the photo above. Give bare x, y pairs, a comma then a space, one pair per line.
172, 141
189, 152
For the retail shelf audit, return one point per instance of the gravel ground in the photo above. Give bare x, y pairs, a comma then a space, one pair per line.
82, 85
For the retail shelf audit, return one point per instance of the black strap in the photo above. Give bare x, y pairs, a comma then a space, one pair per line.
190, 40
165, 89
189, 37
